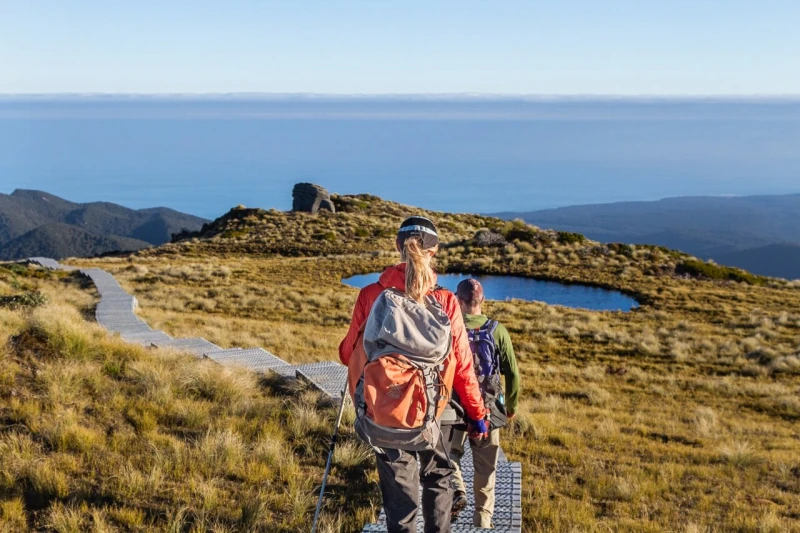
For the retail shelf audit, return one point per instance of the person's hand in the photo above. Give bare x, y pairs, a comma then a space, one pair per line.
511, 416
478, 429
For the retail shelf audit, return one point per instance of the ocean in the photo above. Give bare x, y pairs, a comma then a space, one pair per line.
204, 155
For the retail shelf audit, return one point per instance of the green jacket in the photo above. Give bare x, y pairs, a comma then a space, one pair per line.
508, 361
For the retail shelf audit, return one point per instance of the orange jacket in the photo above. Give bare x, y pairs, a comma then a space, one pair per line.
464, 381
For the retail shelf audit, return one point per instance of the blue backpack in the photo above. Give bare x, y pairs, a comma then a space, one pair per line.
486, 360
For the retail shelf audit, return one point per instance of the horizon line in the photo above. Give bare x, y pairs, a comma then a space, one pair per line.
409, 96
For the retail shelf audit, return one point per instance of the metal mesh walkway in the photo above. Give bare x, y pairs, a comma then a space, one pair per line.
255, 359
116, 313
507, 515
327, 376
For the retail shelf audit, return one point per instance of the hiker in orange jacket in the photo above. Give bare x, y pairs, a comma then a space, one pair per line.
417, 241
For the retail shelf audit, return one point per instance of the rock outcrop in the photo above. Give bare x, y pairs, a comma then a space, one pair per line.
484, 237
310, 198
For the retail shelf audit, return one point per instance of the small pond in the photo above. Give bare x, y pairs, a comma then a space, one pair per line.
550, 292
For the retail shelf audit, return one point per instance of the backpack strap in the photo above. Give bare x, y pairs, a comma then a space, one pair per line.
490, 326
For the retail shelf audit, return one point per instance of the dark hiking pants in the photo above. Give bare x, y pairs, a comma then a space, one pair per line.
400, 481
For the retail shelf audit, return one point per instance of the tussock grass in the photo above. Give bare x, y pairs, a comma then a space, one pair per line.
12, 515
624, 416
227, 386
739, 453
221, 452
706, 422
305, 420
99, 435
271, 450
349, 454
67, 519
594, 394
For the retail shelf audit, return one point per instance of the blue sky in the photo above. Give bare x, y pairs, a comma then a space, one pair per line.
625, 47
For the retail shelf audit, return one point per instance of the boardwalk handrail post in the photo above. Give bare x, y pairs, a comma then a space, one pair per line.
330, 458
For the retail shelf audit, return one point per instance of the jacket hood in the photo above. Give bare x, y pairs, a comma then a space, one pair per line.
394, 277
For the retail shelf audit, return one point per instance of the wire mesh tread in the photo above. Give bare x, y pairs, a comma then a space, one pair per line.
256, 359
197, 345
328, 376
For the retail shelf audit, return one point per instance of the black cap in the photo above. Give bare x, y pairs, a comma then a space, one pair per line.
418, 227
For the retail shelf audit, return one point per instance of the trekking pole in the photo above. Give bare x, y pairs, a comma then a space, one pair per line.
330, 458
445, 448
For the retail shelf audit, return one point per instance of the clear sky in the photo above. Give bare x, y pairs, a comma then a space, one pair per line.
625, 47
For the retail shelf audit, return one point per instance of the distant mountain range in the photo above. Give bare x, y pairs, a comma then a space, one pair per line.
37, 223
758, 233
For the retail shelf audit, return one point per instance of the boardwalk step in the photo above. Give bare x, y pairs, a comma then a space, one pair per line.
255, 359
327, 376
196, 345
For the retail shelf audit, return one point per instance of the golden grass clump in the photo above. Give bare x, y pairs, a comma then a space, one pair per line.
349, 454
227, 386
739, 453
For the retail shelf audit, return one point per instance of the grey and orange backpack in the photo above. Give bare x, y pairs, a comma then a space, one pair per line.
397, 375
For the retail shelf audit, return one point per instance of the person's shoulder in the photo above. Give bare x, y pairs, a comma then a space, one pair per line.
500, 329
443, 294
445, 297
369, 293
439, 289
372, 287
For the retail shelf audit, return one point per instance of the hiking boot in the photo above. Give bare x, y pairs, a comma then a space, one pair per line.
459, 504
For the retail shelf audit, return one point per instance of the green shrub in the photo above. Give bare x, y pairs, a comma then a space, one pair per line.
27, 300
567, 237
699, 269
329, 236
621, 249
518, 230
16, 268
234, 234
664, 250
351, 204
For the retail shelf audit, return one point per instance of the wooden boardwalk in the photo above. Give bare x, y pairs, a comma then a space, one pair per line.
116, 313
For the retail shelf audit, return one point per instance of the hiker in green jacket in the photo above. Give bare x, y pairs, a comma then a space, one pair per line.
493, 356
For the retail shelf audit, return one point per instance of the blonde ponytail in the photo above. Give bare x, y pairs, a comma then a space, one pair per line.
420, 278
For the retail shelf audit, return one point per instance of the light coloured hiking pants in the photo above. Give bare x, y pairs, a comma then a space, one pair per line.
484, 461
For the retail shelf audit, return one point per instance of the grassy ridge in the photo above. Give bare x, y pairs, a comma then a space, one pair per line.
680, 416
100, 435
